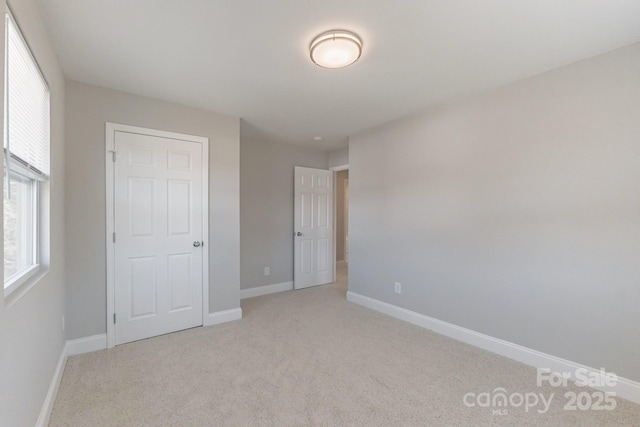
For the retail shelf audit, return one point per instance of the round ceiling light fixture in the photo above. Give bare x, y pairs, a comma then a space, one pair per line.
335, 49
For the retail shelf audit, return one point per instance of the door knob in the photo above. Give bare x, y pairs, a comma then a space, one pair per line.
298, 234
196, 244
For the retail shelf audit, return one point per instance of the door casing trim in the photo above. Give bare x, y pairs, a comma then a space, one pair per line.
335, 170
110, 130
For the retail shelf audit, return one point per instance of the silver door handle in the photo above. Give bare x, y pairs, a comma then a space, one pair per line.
196, 244
298, 234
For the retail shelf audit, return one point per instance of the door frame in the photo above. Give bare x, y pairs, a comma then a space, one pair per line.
110, 130
335, 170
345, 217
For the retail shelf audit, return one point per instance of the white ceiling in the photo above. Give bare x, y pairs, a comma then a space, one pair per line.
249, 58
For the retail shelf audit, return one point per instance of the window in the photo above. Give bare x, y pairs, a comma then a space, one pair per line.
26, 148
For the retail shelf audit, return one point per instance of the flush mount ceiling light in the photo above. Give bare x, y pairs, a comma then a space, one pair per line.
335, 49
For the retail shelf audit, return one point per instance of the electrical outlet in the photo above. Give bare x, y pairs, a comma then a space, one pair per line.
63, 322
267, 271
397, 287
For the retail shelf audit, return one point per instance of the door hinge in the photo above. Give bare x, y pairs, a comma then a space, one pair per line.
114, 237
113, 156
114, 318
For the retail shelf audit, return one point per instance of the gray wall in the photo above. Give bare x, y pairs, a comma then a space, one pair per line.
266, 213
339, 157
88, 108
340, 217
31, 332
514, 213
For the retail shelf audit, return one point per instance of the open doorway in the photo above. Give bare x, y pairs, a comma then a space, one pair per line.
342, 223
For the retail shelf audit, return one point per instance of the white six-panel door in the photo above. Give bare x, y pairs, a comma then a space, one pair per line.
158, 223
313, 227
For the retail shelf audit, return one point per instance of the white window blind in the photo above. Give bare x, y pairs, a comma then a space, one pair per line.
27, 109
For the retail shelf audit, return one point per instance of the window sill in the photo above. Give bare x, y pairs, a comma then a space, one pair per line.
19, 285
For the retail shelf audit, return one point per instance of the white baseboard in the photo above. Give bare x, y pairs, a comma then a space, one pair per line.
71, 348
625, 388
265, 290
223, 317
87, 344
49, 400
99, 342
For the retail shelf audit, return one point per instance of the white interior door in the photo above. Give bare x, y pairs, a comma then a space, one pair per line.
313, 232
158, 224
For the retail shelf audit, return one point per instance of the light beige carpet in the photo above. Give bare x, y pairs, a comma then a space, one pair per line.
304, 358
